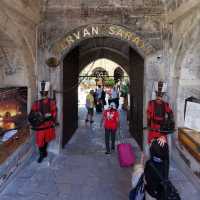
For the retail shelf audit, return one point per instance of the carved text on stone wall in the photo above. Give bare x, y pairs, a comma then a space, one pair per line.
99, 30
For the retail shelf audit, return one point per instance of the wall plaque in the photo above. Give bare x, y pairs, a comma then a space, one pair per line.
192, 115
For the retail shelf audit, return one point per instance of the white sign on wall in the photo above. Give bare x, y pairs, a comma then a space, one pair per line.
192, 116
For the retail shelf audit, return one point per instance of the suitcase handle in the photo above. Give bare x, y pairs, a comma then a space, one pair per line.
120, 137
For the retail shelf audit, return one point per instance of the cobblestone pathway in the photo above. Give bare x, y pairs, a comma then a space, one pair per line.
83, 172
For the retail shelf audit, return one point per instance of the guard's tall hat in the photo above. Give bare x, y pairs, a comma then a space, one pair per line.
160, 88
44, 86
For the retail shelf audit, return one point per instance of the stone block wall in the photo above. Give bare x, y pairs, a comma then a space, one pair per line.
184, 51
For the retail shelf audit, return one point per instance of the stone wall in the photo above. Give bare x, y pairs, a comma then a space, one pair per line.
184, 61
144, 18
18, 21
18, 24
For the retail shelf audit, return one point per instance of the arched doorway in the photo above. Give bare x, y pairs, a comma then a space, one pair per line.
85, 52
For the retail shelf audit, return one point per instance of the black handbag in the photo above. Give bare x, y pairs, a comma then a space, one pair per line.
168, 125
168, 190
36, 118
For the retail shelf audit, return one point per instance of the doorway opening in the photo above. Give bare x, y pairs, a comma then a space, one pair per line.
88, 51
100, 77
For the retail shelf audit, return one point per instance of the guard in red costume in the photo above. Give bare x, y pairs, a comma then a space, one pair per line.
43, 118
157, 112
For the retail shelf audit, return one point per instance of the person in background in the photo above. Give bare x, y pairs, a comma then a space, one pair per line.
115, 96
124, 94
45, 132
103, 98
99, 104
90, 106
111, 119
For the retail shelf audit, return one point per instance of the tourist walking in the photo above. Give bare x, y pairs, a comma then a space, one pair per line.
90, 106
110, 119
115, 96
99, 104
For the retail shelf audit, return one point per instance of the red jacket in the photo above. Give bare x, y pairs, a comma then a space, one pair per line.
111, 119
156, 112
45, 106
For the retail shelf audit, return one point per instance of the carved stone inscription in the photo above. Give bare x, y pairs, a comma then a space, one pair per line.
100, 30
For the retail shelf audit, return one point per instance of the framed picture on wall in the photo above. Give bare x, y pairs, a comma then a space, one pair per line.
13, 108
192, 113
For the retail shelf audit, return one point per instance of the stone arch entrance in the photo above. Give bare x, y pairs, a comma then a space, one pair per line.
88, 43
78, 58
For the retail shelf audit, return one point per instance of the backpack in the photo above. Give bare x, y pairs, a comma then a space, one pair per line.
37, 118
138, 192
165, 190
167, 125
171, 191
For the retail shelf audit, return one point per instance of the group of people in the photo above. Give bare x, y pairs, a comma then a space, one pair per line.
97, 100
152, 177
156, 169
110, 116
42, 118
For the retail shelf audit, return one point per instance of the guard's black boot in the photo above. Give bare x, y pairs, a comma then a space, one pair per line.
40, 159
45, 154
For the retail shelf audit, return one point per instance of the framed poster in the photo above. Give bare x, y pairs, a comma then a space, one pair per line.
13, 108
192, 116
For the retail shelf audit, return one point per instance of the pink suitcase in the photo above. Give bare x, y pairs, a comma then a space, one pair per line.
125, 154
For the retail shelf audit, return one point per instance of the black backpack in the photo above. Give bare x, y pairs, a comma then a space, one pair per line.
36, 119
167, 126
171, 191
162, 190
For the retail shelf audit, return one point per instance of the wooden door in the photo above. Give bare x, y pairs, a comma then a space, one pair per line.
136, 96
70, 95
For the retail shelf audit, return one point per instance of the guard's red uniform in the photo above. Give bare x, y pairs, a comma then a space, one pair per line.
156, 111
48, 132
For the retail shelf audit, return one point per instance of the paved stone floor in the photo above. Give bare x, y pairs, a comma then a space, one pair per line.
84, 172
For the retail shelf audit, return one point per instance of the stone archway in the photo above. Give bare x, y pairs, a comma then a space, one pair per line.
109, 38
188, 72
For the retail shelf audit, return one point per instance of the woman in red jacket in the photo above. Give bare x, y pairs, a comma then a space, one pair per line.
111, 123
